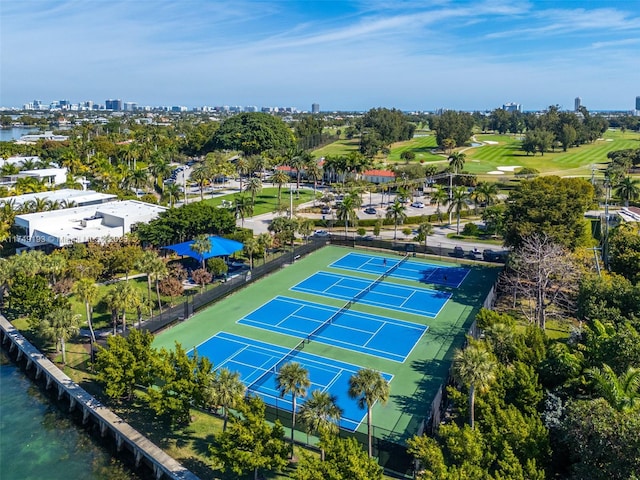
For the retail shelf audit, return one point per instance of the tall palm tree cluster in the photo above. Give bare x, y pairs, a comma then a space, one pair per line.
320, 413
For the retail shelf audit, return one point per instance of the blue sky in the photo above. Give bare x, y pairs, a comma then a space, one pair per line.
344, 55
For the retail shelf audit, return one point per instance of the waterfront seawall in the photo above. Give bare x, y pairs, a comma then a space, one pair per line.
145, 453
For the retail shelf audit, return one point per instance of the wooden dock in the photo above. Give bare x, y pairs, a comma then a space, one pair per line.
124, 435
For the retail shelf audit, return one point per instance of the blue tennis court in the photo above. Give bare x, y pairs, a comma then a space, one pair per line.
257, 363
371, 334
419, 301
408, 270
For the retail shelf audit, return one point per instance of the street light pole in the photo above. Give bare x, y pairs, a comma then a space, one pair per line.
290, 201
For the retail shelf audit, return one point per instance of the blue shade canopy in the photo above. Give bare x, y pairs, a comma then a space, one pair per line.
220, 247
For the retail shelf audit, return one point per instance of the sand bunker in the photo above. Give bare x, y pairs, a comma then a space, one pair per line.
510, 168
495, 172
490, 142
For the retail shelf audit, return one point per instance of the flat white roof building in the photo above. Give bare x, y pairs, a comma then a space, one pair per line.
82, 224
81, 198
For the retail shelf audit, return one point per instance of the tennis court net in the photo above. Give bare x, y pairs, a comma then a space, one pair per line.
379, 280
292, 353
274, 368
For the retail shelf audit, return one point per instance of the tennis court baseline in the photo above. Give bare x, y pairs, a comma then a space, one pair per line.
409, 270
371, 334
416, 300
256, 360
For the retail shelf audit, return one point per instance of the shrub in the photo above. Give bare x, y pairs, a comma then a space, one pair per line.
470, 230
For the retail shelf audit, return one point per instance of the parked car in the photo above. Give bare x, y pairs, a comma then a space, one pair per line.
325, 210
458, 252
370, 211
321, 233
417, 205
489, 255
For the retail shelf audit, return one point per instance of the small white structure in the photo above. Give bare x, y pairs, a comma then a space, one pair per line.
82, 224
33, 138
48, 176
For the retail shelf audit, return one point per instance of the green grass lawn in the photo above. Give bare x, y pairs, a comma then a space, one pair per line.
420, 145
267, 200
577, 161
340, 147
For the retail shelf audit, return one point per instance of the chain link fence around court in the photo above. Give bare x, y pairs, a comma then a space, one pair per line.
388, 448
196, 300
437, 249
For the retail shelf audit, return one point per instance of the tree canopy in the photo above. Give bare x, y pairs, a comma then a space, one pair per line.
457, 126
552, 206
253, 133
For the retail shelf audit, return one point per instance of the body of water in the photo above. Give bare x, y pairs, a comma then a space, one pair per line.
38, 441
8, 134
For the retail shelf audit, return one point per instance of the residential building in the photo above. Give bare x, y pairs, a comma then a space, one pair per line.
512, 107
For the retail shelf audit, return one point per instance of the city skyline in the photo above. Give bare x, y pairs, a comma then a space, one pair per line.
341, 55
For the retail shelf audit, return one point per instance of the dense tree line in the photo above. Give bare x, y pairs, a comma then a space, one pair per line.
453, 129
380, 127
181, 224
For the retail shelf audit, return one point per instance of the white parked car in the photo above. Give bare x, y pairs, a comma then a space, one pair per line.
417, 205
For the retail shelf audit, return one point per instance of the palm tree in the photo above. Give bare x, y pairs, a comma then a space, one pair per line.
474, 367
320, 414
297, 160
227, 391
160, 168
280, 178
293, 379
439, 197
254, 185
87, 291
244, 206
314, 171
151, 264
486, 193
250, 247
60, 325
242, 167
458, 202
201, 245
346, 211
628, 189
396, 212
424, 230
265, 240
456, 161
368, 386
138, 179
623, 392
123, 297
173, 190
201, 175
